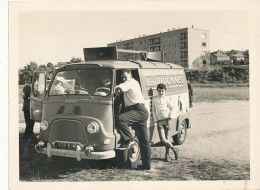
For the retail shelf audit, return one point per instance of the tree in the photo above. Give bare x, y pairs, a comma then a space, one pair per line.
29, 69
246, 61
25, 74
50, 70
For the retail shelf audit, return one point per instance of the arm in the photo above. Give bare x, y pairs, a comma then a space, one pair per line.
170, 106
125, 86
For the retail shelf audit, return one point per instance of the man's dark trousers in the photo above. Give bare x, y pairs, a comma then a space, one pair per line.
135, 116
28, 134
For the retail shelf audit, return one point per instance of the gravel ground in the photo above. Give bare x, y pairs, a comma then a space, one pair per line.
216, 148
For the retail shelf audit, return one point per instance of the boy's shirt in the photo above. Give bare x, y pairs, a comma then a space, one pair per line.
162, 108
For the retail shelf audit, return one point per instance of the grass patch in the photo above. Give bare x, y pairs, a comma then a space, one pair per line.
219, 85
219, 91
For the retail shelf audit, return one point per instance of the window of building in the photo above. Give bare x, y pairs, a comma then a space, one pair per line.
128, 46
169, 37
203, 44
184, 54
155, 48
155, 41
203, 53
140, 42
204, 62
184, 45
169, 45
164, 46
203, 36
184, 63
175, 54
164, 38
183, 36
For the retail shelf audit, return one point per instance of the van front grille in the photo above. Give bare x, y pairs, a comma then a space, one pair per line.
67, 130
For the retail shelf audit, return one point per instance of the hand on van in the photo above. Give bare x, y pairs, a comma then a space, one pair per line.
118, 91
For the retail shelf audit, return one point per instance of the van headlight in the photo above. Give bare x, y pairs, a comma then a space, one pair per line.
44, 125
93, 127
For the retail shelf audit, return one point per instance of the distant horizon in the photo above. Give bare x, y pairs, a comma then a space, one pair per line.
82, 58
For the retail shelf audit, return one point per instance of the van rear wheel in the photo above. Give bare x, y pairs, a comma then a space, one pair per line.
181, 136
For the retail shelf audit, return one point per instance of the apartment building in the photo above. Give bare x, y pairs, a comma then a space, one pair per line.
188, 47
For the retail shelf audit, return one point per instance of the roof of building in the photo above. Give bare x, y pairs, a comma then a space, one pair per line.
160, 33
238, 54
122, 64
219, 54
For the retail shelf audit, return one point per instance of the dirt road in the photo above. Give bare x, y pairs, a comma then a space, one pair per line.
216, 148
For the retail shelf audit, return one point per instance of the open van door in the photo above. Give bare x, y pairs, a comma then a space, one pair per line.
37, 95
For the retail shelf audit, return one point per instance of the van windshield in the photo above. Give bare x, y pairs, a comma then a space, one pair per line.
93, 82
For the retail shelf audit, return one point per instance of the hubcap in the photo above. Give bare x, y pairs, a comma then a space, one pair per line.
182, 132
134, 152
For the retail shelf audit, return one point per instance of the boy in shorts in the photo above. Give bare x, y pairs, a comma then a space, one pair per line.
162, 114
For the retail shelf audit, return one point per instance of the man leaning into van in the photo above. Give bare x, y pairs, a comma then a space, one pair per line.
135, 114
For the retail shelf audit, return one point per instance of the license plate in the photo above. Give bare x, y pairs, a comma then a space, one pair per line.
65, 145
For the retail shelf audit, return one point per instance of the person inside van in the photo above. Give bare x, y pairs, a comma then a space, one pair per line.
162, 114
59, 88
135, 114
105, 89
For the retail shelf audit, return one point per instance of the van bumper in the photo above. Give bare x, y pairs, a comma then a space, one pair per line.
78, 153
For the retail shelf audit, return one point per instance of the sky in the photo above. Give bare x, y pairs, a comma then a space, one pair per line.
57, 36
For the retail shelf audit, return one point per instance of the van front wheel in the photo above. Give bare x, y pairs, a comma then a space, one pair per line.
181, 136
127, 158
134, 152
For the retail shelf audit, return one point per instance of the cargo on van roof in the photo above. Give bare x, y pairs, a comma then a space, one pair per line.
108, 57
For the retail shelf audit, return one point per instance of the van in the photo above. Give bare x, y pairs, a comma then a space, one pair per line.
77, 111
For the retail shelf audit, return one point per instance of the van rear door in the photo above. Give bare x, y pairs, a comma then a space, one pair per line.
37, 95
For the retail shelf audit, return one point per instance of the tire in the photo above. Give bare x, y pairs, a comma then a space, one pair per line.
128, 157
181, 136
134, 153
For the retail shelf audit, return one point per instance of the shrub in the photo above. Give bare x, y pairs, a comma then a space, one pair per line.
225, 74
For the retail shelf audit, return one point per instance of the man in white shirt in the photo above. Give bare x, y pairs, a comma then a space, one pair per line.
135, 114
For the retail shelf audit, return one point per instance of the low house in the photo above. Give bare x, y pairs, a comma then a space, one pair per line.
219, 56
238, 56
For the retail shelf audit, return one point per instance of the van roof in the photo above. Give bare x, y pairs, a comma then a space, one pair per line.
123, 64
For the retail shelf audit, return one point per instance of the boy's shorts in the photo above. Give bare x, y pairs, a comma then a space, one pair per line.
163, 124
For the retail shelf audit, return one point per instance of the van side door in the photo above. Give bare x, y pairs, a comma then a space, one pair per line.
37, 95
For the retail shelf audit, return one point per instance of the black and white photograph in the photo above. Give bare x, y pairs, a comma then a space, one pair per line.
132, 94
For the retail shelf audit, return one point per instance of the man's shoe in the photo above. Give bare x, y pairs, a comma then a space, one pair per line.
124, 146
176, 153
167, 157
127, 143
142, 167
